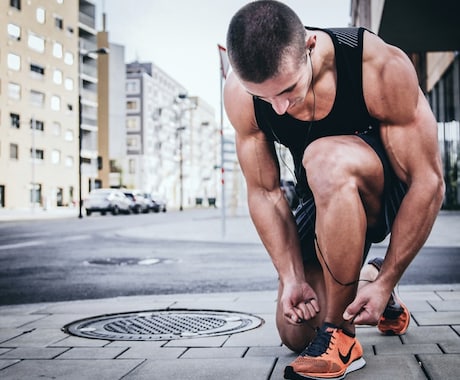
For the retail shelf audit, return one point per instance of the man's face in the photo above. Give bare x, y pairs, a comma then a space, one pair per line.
286, 90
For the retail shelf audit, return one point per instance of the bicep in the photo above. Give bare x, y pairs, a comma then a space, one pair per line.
412, 144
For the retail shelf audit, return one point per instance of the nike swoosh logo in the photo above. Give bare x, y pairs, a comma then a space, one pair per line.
346, 358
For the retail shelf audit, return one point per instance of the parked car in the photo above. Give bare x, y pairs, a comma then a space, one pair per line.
157, 204
107, 200
138, 202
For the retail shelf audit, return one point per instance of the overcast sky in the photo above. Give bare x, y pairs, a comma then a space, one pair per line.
181, 36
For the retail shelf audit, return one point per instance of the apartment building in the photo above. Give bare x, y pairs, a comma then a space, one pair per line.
428, 32
172, 139
38, 103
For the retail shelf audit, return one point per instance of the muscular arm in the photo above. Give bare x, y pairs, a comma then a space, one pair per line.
409, 134
268, 207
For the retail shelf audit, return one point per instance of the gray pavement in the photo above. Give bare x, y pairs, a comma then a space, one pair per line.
33, 345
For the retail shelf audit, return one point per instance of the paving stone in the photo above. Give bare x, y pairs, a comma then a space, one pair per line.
391, 349
223, 352
271, 351
75, 341
265, 335
35, 338
8, 334
146, 345
7, 363
213, 341
55, 321
437, 318
33, 353
441, 306
449, 295
443, 367
192, 369
17, 320
371, 336
92, 353
377, 368
153, 353
69, 369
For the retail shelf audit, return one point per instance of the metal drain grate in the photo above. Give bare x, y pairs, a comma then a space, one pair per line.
163, 325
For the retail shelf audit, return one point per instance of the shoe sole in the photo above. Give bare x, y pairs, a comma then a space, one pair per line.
389, 330
289, 372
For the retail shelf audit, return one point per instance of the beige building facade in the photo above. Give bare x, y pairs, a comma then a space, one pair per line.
38, 103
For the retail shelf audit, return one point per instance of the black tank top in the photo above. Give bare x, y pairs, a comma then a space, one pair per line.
348, 116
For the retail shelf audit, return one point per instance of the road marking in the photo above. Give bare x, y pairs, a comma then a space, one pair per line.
33, 243
22, 245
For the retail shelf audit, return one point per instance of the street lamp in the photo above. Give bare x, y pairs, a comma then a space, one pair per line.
100, 51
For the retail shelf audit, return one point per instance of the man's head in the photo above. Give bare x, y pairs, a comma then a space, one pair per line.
260, 37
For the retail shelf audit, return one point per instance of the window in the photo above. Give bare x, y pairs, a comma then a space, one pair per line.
133, 142
56, 129
68, 58
133, 86
57, 76
132, 124
69, 161
15, 120
37, 70
37, 154
15, 4
68, 84
14, 31
14, 151
68, 135
38, 125
58, 22
14, 91
40, 15
55, 156
132, 105
35, 192
57, 50
55, 103
14, 61
36, 43
37, 98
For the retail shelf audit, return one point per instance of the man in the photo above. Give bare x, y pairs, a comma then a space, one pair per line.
365, 151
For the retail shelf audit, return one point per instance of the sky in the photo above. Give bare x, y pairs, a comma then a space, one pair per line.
181, 36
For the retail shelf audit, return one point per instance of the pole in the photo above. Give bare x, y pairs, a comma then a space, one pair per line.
80, 215
33, 192
222, 140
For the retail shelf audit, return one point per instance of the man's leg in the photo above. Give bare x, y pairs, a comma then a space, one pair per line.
346, 178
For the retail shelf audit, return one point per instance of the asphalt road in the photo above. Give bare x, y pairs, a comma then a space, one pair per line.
71, 259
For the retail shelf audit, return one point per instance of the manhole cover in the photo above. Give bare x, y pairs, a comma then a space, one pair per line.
163, 325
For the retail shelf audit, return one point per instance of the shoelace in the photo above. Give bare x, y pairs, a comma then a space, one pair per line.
320, 344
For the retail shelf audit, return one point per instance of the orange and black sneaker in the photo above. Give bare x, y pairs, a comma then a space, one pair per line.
332, 354
396, 317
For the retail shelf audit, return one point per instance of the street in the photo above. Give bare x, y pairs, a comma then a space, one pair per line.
75, 259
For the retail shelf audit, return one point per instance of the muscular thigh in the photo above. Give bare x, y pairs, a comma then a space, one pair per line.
336, 161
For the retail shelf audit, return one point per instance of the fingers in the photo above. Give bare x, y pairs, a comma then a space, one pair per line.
303, 311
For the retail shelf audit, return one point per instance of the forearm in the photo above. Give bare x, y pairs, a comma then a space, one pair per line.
410, 230
275, 225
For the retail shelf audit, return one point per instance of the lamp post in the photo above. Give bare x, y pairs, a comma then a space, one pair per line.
100, 51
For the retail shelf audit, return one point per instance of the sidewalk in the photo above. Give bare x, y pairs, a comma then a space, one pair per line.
33, 345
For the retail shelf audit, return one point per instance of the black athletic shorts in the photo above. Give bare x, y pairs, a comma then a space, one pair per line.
393, 193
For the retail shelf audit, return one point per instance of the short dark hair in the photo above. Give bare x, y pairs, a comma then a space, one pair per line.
259, 37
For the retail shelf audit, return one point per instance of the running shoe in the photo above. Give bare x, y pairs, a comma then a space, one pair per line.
396, 317
332, 354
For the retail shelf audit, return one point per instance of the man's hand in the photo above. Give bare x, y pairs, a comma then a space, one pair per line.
368, 305
299, 302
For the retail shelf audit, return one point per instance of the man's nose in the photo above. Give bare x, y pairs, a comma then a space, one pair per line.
280, 106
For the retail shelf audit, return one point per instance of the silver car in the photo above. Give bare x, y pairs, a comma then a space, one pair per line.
107, 200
